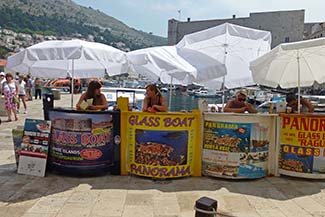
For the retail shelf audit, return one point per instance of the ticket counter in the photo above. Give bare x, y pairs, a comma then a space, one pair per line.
302, 145
84, 142
239, 146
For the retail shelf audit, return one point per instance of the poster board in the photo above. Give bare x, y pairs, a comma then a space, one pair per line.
34, 147
81, 143
17, 136
239, 146
162, 145
302, 145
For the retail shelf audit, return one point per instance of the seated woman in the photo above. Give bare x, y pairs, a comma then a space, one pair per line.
93, 94
154, 101
306, 106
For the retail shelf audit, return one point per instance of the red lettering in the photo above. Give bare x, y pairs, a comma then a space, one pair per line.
285, 122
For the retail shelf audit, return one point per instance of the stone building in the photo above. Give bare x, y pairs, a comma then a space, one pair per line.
314, 30
285, 26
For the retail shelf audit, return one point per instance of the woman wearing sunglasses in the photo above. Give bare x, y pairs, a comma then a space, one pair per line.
239, 104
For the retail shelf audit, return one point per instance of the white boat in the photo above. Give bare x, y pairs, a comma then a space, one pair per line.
205, 93
317, 101
164, 89
136, 96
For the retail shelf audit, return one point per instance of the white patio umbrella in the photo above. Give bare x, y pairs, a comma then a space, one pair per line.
168, 62
171, 65
233, 45
289, 65
71, 58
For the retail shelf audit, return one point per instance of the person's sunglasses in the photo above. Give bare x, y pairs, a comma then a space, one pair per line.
242, 99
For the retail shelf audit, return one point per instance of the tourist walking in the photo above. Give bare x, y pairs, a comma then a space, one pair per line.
2, 80
29, 87
9, 88
38, 88
22, 93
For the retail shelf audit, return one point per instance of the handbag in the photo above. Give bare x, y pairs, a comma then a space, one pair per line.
15, 100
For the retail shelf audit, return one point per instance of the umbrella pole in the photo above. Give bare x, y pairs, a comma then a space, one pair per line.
170, 94
224, 78
298, 61
223, 94
72, 83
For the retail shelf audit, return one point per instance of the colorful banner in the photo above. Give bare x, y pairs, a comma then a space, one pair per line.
17, 136
161, 145
235, 150
34, 147
81, 140
302, 143
35, 141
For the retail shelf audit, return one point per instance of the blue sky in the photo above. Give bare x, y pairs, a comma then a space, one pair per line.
153, 15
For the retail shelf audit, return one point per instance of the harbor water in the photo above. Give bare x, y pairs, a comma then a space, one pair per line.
183, 101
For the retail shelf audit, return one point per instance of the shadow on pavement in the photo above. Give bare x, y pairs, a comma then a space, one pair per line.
16, 188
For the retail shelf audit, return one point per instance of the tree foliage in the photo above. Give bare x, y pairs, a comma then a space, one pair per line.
19, 21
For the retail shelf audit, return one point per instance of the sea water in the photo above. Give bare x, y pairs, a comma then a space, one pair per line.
183, 101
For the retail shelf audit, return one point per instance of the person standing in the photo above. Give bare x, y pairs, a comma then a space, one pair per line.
29, 87
2, 80
38, 88
9, 88
22, 93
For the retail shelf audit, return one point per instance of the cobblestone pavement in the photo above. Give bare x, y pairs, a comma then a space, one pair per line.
131, 196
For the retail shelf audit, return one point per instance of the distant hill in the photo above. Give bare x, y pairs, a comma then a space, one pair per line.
66, 18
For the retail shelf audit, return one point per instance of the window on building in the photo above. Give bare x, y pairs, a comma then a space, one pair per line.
321, 35
286, 39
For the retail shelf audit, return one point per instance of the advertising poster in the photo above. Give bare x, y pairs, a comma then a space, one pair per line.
302, 142
235, 150
81, 141
17, 136
161, 146
34, 147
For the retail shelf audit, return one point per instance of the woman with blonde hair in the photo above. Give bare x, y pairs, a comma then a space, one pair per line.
10, 89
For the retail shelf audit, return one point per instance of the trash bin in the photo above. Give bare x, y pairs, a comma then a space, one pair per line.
56, 94
48, 103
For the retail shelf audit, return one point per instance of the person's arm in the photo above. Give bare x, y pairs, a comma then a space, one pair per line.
82, 98
17, 90
145, 104
235, 110
306, 103
250, 108
162, 107
103, 106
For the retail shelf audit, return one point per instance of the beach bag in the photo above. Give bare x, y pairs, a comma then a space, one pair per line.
15, 100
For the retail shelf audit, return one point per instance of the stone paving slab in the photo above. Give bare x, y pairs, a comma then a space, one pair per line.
132, 196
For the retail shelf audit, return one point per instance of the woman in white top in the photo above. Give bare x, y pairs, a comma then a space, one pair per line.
9, 88
22, 93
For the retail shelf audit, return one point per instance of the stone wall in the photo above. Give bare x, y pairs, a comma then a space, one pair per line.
285, 26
